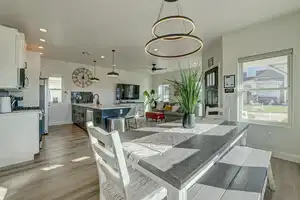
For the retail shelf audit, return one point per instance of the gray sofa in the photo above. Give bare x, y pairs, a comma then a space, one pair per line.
170, 115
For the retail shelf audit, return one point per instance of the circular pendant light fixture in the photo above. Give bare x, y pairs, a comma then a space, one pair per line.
173, 44
113, 74
94, 78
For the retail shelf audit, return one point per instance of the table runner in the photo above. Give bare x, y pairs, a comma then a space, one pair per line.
168, 136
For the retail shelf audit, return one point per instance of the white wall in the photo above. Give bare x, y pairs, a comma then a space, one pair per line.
61, 113
274, 35
214, 50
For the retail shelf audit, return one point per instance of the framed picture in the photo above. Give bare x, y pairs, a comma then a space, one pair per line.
210, 62
229, 81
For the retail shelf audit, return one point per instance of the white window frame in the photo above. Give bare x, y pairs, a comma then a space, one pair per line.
56, 89
289, 88
162, 96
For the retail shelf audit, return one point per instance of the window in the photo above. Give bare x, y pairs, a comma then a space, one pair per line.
55, 89
164, 93
265, 89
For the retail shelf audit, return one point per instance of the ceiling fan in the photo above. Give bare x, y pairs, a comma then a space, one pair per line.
154, 69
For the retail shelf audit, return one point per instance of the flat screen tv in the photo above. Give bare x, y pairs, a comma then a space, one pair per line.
127, 92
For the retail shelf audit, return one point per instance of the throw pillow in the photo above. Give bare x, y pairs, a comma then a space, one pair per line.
160, 106
175, 108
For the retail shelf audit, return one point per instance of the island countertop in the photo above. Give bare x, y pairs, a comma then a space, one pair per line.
100, 107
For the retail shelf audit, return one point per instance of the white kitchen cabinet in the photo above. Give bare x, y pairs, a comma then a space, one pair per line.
12, 56
20, 50
31, 94
19, 137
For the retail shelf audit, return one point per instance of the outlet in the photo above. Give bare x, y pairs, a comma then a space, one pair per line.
269, 135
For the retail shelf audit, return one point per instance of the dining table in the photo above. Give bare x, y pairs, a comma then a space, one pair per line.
176, 157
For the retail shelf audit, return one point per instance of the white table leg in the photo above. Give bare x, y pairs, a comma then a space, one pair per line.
271, 179
177, 194
244, 139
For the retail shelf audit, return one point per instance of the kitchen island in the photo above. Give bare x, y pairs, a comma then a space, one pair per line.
101, 113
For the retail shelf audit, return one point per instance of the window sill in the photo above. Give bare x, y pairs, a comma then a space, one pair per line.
265, 123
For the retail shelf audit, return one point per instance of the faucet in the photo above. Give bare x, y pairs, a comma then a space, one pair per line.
97, 101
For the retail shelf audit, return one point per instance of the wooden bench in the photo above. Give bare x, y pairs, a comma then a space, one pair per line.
240, 175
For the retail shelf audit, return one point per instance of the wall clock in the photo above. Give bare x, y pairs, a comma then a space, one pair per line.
82, 77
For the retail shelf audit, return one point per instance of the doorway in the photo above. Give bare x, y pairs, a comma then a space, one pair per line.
212, 87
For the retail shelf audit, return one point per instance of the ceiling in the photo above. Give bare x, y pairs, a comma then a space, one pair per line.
98, 26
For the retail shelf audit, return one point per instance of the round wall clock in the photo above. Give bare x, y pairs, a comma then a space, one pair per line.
82, 77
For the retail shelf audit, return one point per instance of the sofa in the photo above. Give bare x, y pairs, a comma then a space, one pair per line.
171, 114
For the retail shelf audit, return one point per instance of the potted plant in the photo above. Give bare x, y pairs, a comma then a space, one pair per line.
189, 88
151, 98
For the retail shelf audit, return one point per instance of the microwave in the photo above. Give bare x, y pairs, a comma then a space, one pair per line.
22, 79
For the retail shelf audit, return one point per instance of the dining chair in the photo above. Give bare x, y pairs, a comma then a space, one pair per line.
132, 115
116, 180
216, 113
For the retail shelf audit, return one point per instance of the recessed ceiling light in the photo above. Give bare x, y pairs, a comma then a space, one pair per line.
42, 40
155, 49
41, 53
41, 47
102, 57
43, 30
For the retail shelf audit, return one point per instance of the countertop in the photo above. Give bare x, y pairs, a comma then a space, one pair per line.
100, 107
21, 112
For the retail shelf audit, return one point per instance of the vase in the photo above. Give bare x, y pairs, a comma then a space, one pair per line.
188, 120
198, 111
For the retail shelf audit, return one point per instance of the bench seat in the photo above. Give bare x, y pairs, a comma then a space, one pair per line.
239, 175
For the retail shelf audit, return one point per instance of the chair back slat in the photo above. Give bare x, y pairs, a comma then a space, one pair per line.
102, 136
105, 154
110, 173
108, 151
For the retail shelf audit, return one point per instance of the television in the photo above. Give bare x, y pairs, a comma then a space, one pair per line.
127, 92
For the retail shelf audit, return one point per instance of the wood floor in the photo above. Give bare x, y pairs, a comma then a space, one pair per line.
79, 180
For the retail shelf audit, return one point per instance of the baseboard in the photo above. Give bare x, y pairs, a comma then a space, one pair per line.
59, 123
286, 156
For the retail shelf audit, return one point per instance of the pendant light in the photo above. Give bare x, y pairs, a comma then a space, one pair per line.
113, 74
176, 44
94, 79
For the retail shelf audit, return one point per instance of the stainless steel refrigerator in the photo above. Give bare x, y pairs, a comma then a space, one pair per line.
44, 104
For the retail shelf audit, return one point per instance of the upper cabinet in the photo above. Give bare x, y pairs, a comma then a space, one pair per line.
12, 57
21, 51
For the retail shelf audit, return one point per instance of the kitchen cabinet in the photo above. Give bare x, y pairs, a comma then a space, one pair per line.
12, 56
79, 116
31, 92
100, 114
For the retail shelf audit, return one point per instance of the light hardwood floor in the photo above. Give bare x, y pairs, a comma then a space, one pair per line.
79, 180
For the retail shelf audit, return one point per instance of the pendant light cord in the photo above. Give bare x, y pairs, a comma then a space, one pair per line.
113, 60
94, 68
160, 11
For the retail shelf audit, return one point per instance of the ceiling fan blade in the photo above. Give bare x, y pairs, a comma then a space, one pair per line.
160, 68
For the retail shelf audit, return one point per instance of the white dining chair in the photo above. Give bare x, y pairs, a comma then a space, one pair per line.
116, 180
133, 115
217, 113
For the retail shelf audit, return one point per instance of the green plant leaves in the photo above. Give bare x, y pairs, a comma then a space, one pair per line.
189, 89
